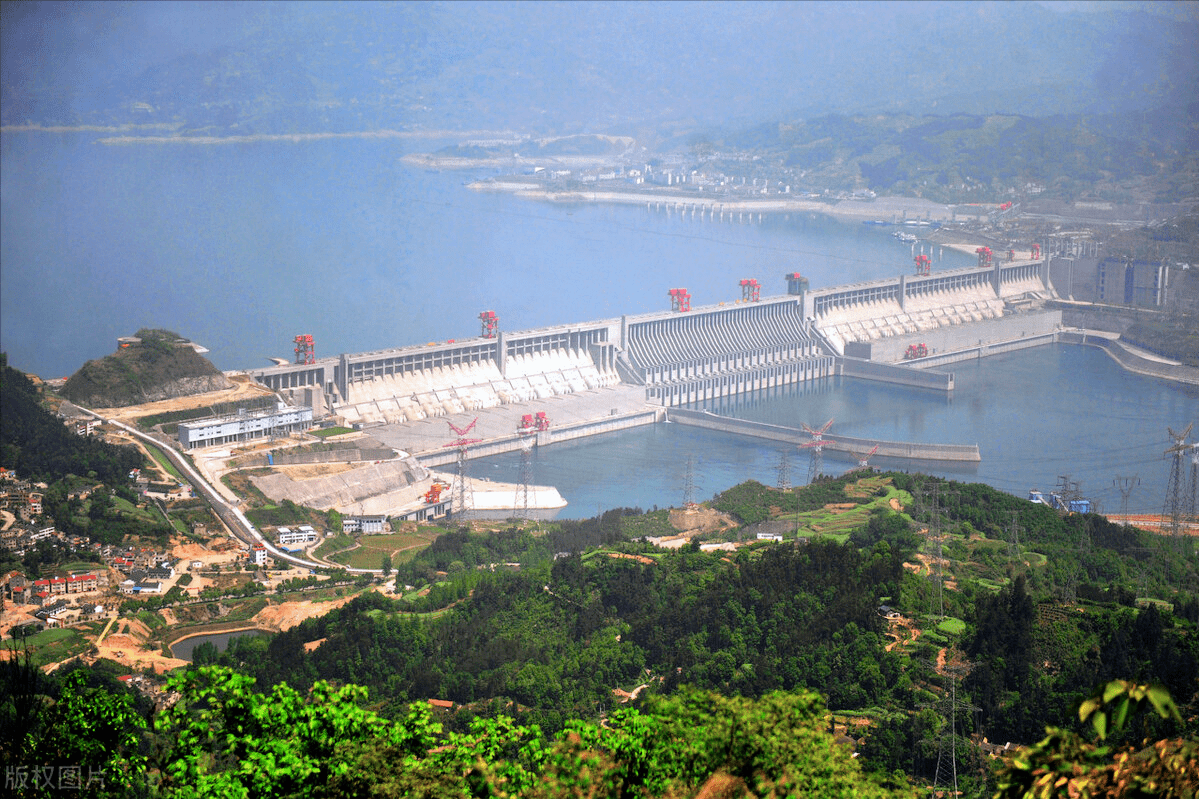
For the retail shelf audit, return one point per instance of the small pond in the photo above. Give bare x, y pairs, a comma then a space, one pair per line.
184, 647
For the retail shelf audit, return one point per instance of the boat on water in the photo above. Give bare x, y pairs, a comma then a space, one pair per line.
875, 222
906, 238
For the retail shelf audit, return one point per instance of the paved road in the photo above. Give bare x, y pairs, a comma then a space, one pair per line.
232, 516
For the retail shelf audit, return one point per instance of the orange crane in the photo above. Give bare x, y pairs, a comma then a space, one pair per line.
433, 495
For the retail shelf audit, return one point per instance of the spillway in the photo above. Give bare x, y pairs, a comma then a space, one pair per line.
687, 356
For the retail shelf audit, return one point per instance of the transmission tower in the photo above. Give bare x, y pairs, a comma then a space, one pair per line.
1175, 506
1126, 486
689, 485
937, 568
520, 507
1013, 540
1191, 509
946, 776
864, 459
816, 446
784, 472
1069, 491
463, 496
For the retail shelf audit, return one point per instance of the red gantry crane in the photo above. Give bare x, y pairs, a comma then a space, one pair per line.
433, 495
796, 283
915, 351
305, 349
924, 264
680, 300
751, 290
490, 323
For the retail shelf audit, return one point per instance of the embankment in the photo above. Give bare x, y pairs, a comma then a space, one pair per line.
1129, 359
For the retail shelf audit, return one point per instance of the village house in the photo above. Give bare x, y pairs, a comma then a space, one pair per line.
17, 588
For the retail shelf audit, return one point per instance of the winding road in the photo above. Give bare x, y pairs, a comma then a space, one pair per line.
232, 516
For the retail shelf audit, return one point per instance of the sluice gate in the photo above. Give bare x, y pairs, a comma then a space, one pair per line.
718, 352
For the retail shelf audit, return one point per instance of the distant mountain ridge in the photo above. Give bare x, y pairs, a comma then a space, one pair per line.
154, 365
558, 68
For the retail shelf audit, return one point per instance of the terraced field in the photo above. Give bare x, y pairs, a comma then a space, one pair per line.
371, 549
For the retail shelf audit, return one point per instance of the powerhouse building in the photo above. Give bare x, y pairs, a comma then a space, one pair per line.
244, 427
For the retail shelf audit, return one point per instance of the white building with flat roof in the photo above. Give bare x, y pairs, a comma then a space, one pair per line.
244, 427
364, 524
289, 537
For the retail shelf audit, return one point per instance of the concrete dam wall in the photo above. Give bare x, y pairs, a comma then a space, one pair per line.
691, 355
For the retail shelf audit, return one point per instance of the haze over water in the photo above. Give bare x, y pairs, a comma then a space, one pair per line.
242, 246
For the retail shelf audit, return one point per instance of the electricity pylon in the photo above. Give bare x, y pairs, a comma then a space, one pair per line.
1126, 486
784, 472
816, 445
1175, 506
463, 498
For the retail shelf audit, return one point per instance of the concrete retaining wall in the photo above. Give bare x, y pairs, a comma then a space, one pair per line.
985, 349
354, 455
890, 373
713, 387
554, 435
970, 336
1130, 360
370, 489
1099, 317
967, 453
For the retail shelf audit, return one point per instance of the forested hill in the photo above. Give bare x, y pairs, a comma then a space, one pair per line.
1017, 632
36, 445
154, 365
579, 659
973, 158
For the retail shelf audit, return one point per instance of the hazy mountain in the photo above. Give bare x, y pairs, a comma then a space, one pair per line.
617, 67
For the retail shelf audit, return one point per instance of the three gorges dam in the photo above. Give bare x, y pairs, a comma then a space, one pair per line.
503, 391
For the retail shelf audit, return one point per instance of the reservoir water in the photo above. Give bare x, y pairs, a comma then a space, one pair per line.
242, 246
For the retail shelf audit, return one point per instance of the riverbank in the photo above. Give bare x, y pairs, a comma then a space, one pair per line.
888, 209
